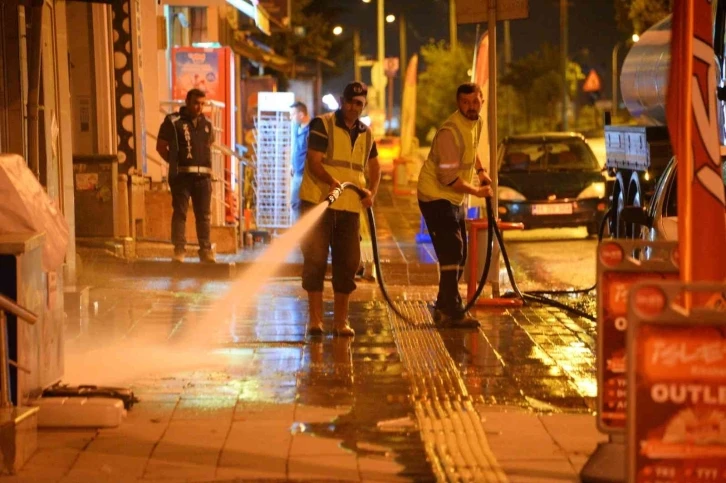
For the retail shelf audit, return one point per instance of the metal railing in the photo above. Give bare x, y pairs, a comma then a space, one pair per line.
7, 305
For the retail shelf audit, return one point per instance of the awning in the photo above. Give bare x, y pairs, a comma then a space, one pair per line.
247, 49
249, 8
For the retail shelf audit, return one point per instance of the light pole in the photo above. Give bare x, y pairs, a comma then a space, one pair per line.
403, 47
453, 32
616, 49
381, 54
563, 60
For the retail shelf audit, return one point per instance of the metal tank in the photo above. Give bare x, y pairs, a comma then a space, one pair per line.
644, 77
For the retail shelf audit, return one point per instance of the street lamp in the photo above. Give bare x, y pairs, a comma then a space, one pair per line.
381, 52
390, 18
635, 38
337, 30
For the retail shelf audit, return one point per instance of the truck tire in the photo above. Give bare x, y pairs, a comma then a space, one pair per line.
626, 192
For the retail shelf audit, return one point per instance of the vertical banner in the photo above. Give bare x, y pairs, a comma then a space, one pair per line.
138, 69
125, 58
481, 77
693, 128
408, 107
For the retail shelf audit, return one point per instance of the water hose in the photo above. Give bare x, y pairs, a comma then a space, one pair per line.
492, 231
332, 197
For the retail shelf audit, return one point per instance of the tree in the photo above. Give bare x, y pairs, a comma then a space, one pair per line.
311, 34
537, 81
445, 70
637, 16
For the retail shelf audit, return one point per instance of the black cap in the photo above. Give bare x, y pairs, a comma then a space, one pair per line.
354, 89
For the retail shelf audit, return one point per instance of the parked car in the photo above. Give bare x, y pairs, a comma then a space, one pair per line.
551, 180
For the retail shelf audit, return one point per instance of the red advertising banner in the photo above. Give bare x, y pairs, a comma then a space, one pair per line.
693, 120
615, 287
618, 271
677, 378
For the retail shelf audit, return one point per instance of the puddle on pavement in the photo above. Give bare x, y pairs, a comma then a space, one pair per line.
364, 374
501, 364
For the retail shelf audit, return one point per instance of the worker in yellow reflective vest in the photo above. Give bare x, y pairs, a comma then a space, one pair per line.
443, 183
340, 149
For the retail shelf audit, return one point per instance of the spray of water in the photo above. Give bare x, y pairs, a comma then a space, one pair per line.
155, 353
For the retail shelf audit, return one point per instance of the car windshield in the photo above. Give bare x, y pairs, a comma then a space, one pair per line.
551, 155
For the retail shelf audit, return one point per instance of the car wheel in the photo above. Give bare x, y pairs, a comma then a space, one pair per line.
592, 230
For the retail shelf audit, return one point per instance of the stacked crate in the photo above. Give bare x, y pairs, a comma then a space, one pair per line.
273, 160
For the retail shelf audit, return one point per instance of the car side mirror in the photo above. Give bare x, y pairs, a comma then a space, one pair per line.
635, 215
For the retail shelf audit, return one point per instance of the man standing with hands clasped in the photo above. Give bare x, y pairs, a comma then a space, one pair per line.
340, 149
443, 184
185, 142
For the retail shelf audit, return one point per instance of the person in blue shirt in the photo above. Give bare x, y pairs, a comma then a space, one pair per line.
301, 129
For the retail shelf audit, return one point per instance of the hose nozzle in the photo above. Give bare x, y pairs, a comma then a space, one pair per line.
334, 195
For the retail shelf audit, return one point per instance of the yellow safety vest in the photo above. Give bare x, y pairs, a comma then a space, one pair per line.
466, 135
342, 163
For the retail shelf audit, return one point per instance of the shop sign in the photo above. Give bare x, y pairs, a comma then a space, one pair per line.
621, 264
677, 380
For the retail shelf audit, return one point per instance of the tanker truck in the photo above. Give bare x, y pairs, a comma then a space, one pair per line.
640, 157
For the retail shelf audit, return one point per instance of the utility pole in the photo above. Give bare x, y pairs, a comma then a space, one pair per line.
356, 55
389, 111
453, 40
507, 62
563, 55
381, 81
404, 50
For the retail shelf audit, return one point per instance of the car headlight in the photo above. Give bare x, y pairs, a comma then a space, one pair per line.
508, 194
595, 190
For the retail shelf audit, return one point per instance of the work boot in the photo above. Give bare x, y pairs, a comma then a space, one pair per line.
341, 326
464, 320
206, 256
179, 255
315, 313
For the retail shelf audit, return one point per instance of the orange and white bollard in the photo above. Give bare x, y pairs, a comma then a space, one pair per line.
475, 226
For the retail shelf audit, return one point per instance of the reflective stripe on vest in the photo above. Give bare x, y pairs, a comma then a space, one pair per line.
466, 137
342, 162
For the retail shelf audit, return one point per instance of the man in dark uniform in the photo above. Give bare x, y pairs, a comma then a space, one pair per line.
185, 140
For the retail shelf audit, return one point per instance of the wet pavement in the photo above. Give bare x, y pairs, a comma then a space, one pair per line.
240, 393
322, 408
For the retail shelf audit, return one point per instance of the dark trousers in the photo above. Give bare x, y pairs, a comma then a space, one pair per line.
446, 225
338, 231
199, 188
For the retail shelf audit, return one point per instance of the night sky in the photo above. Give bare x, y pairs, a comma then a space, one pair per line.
593, 32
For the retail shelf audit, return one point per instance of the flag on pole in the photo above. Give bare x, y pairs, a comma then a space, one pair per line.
480, 75
693, 126
408, 108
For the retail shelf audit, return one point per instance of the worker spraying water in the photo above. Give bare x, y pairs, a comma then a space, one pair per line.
341, 150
